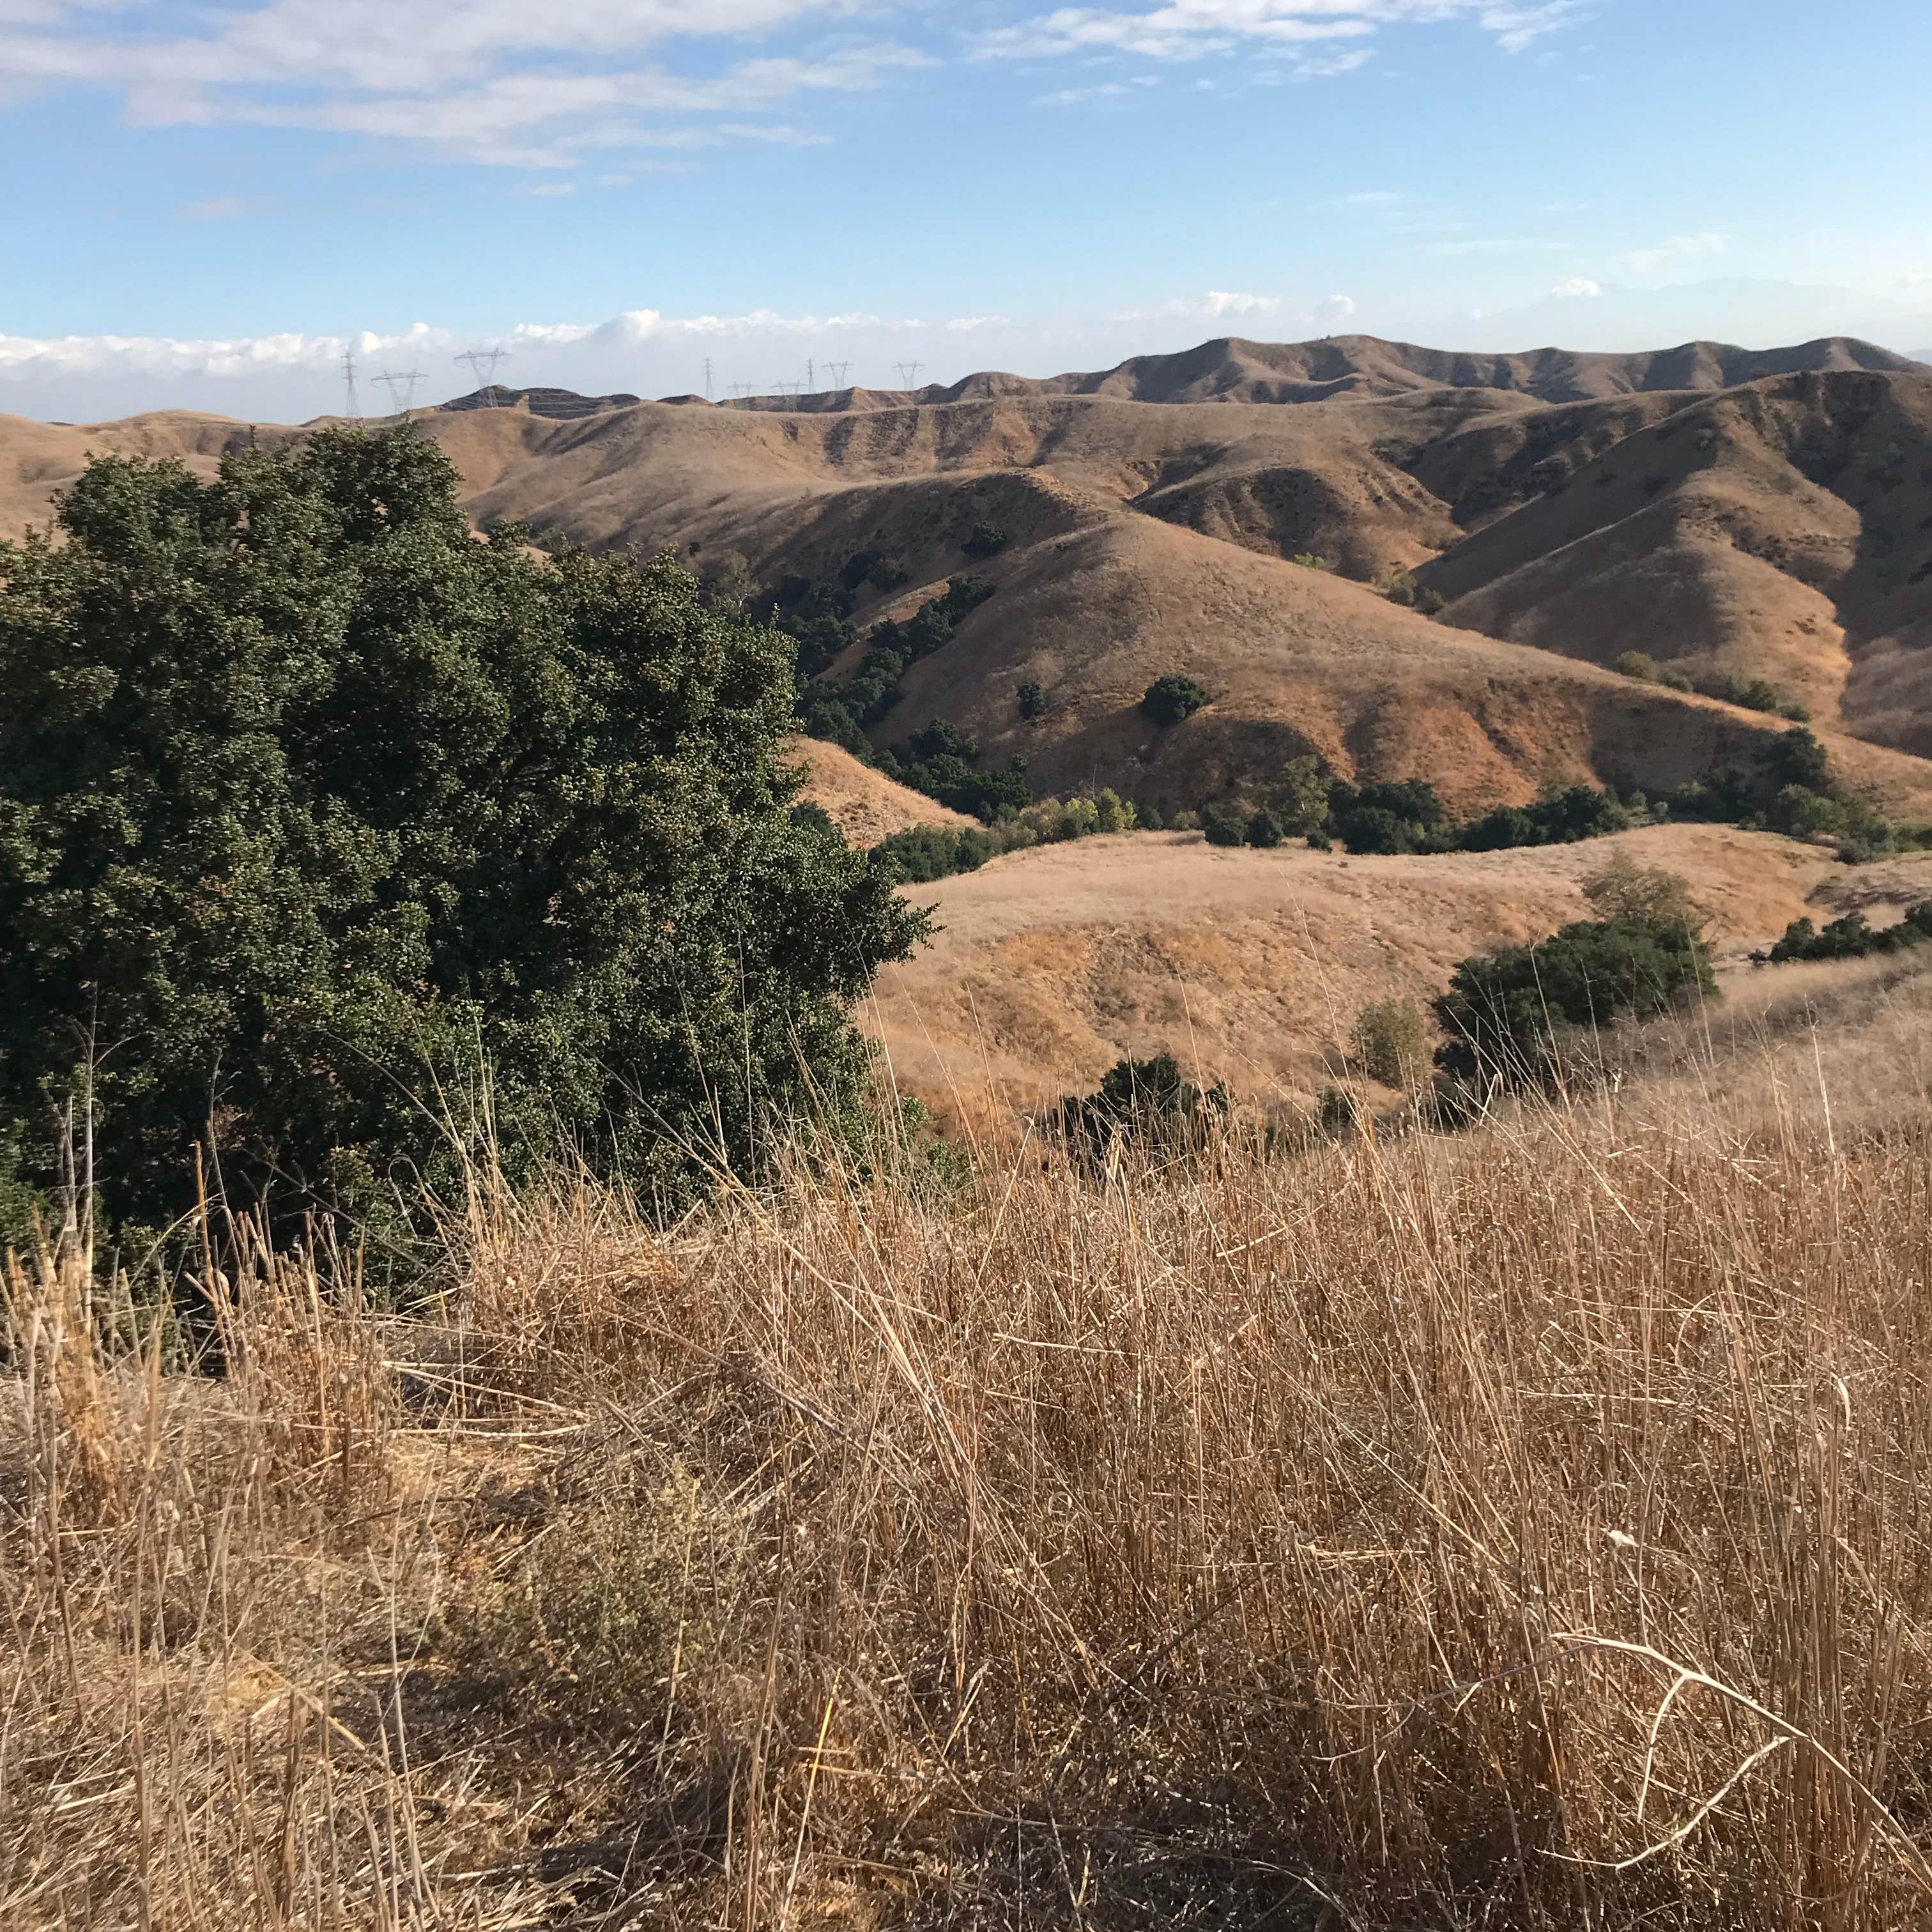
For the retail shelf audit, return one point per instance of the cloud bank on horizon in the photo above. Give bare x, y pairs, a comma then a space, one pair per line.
293, 376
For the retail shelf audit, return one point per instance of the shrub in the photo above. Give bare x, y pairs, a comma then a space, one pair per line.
1033, 701
1309, 560
1429, 603
1223, 825
1622, 893
307, 798
1505, 1013
1853, 936
1147, 1102
987, 540
1399, 816
1391, 1044
924, 853
1301, 803
1169, 700
1265, 829
1639, 664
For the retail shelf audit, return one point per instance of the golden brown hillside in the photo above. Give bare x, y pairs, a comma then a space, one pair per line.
865, 805
1761, 515
1252, 967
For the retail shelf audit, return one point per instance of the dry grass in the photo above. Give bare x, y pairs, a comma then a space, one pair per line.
1527, 1529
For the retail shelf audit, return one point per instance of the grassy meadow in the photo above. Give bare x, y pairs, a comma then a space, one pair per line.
1522, 1528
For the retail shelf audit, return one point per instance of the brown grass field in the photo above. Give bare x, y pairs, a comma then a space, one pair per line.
1521, 1529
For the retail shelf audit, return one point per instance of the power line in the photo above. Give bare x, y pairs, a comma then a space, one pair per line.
402, 387
483, 364
909, 373
353, 408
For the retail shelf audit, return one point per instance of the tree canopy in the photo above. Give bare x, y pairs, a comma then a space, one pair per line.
312, 805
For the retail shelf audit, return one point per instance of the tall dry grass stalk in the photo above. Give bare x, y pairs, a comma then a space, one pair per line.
1527, 1529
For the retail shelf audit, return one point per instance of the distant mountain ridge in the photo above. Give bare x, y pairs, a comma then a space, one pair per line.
1232, 369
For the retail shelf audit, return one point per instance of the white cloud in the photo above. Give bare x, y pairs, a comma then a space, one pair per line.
1337, 310
1677, 248
1573, 287
965, 324
215, 208
1191, 29
483, 80
1073, 96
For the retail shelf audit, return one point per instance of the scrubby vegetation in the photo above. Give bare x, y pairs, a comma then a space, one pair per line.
1853, 936
1523, 1529
1510, 1018
929, 852
1751, 694
309, 801
1391, 1044
1172, 699
1145, 1102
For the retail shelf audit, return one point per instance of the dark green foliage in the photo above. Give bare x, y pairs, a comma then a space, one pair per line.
987, 540
1223, 825
927, 852
874, 568
309, 802
1265, 829
842, 714
1404, 815
1168, 700
1033, 701
942, 761
1429, 603
1751, 694
1144, 1103
1796, 757
1504, 1015
1853, 936
1148, 818
1559, 818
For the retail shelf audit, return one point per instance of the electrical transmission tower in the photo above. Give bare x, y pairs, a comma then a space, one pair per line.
402, 388
811, 375
707, 379
353, 407
483, 365
741, 390
836, 370
909, 373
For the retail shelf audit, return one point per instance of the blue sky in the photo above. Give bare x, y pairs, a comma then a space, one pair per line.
206, 203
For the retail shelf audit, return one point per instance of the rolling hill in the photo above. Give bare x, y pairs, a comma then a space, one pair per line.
1754, 514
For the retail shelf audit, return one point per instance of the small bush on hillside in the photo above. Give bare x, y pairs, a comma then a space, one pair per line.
1623, 893
1853, 936
987, 540
1399, 816
1265, 830
1032, 699
1145, 1102
1429, 603
1309, 560
1638, 664
1170, 699
1391, 1044
1506, 1013
1223, 825
924, 853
